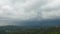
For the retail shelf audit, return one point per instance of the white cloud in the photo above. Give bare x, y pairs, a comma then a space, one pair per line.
29, 9
51, 9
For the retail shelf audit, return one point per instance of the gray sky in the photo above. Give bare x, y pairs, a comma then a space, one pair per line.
21, 10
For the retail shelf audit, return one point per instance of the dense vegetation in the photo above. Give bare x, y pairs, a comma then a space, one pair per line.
25, 30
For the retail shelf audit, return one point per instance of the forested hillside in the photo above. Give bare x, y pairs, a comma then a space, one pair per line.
26, 30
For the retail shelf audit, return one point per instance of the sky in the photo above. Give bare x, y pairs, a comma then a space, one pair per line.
14, 11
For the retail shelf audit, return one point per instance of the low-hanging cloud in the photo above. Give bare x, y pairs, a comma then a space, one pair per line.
18, 10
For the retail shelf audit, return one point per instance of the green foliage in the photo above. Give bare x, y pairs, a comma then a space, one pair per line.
49, 30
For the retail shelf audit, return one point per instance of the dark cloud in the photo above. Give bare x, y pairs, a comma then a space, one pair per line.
13, 12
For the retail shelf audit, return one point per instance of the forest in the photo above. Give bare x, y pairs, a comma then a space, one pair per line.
27, 30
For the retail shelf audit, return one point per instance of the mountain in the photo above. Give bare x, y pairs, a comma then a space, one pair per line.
33, 24
10, 29
31, 27
48, 22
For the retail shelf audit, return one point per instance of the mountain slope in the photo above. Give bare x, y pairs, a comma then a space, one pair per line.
53, 22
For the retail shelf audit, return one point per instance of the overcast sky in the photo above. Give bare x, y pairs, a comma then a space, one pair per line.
20, 10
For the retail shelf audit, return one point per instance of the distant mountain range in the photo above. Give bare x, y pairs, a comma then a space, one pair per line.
48, 22
33, 24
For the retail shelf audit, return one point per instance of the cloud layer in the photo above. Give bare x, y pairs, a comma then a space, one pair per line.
21, 10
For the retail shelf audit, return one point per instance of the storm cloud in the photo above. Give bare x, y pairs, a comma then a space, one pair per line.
13, 11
